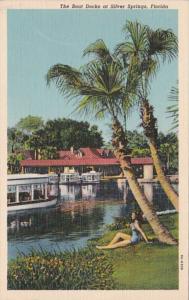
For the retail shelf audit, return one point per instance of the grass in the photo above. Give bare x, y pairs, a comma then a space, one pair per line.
145, 266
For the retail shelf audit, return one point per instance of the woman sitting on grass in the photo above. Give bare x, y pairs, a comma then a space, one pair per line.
123, 240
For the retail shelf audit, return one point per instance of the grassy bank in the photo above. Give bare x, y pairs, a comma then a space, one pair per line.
145, 266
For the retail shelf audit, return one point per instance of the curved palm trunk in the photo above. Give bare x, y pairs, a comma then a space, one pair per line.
119, 142
150, 130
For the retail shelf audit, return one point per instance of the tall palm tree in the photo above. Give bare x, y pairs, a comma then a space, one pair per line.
100, 89
143, 51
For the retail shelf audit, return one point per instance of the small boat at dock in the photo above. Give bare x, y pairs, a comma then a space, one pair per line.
69, 178
29, 191
53, 178
90, 177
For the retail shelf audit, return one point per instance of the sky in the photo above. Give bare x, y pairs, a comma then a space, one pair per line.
38, 39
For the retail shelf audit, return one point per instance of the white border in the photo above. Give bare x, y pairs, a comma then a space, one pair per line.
182, 293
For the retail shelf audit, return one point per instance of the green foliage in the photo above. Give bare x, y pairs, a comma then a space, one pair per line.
65, 133
99, 86
168, 151
70, 270
167, 147
140, 152
14, 162
136, 142
48, 152
30, 124
16, 139
119, 223
173, 109
142, 52
55, 135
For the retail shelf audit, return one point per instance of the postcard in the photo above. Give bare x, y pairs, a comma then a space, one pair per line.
94, 149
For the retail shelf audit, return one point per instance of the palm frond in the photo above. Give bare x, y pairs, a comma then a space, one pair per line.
67, 79
99, 50
173, 110
99, 87
136, 32
163, 44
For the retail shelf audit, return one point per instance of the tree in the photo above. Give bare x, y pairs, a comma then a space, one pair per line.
30, 124
138, 152
137, 143
48, 152
95, 137
35, 142
55, 134
13, 162
65, 133
143, 52
100, 90
16, 139
168, 151
172, 110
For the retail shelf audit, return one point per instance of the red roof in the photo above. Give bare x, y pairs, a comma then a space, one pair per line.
85, 153
63, 154
141, 161
89, 157
70, 162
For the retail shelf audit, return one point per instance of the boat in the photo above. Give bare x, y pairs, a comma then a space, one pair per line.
29, 191
90, 177
69, 178
53, 178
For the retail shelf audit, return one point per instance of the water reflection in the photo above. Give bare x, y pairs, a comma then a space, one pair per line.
70, 192
81, 214
124, 189
89, 191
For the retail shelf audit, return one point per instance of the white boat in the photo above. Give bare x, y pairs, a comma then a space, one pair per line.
68, 178
90, 177
29, 191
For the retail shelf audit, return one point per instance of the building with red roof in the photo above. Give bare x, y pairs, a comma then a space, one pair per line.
86, 159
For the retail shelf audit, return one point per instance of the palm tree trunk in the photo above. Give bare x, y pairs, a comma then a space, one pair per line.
150, 130
171, 194
120, 144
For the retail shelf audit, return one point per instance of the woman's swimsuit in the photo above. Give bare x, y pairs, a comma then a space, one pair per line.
135, 238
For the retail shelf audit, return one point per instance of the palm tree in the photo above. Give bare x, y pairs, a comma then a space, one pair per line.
143, 52
172, 110
167, 150
100, 89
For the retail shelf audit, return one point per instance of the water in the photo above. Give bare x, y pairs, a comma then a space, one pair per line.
83, 213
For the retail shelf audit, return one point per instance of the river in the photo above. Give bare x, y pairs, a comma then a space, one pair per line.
83, 212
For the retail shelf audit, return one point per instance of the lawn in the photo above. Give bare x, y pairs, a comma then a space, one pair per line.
145, 266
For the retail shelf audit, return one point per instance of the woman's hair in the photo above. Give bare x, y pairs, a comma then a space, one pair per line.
138, 216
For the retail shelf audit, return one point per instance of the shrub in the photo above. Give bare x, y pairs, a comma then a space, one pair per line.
119, 223
70, 270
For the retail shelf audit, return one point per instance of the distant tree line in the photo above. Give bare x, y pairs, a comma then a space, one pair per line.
167, 148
